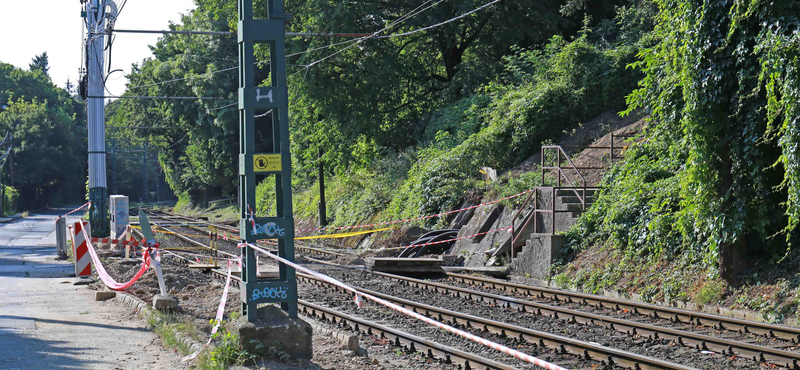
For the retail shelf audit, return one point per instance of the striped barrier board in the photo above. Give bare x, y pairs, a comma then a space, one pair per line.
80, 249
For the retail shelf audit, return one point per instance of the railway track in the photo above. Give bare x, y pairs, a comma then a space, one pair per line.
586, 351
649, 321
675, 315
559, 344
410, 343
697, 340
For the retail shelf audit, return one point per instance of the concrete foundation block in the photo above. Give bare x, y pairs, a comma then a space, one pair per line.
538, 255
104, 294
275, 328
162, 302
348, 341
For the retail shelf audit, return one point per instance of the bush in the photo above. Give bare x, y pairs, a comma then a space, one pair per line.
711, 292
10, 196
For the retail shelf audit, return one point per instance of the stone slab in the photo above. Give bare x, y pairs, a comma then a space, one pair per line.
274, 328
102, 295
162, 302
348, 341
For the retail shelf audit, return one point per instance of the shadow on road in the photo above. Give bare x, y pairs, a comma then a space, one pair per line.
69, 323
16, 267
23, 352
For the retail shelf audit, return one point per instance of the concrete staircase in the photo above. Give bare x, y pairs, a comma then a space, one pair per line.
535, 243
570, 178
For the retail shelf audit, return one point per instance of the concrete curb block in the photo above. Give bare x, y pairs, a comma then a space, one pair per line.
348, 341
7, 219
685, 305
145, 312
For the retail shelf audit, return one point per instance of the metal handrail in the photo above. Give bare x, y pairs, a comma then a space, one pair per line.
514, 235
516, 231
560, 150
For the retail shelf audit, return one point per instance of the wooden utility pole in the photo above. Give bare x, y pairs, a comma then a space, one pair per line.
323, 216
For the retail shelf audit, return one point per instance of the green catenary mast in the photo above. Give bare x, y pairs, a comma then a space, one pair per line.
274, 161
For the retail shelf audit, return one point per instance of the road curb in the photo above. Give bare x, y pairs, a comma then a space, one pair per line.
5, 220
145, 312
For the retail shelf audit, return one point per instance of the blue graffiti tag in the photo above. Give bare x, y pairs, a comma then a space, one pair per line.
279, 292
269, 228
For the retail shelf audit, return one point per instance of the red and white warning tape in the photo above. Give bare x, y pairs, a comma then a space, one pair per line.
178, 253
74, 210
220, 312
418, 218
475, 338
132, 243
107, 279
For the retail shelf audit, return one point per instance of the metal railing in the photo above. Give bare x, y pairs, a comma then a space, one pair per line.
580, 191
560, 172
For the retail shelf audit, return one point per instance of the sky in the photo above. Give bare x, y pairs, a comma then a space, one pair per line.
58, 31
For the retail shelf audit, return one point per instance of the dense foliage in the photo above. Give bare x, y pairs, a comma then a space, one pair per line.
49, 137
538, 95
405, 122
717, 175
196, 141
366, 102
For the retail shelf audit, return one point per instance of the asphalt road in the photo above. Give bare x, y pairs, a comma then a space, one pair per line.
47, 322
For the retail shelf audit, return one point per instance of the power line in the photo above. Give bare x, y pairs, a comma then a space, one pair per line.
441, 23
402, 19
161, 97
184, 78
140, 128
216, 33
231, 33
222, 107
414, 12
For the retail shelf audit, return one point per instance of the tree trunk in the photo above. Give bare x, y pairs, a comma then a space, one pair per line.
731, 255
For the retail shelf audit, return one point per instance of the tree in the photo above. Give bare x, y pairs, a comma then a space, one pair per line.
40, 63
198, 152
49, 147
374, 95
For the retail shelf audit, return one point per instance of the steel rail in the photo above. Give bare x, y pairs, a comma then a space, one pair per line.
232, 229
696, 340
218, 273
661, 312
690, 339
430, 349
433, 350
587, 351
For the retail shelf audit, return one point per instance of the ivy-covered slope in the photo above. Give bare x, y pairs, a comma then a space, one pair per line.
714, 187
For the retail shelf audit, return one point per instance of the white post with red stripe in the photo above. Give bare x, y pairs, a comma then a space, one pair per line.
127, 245
80, 249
